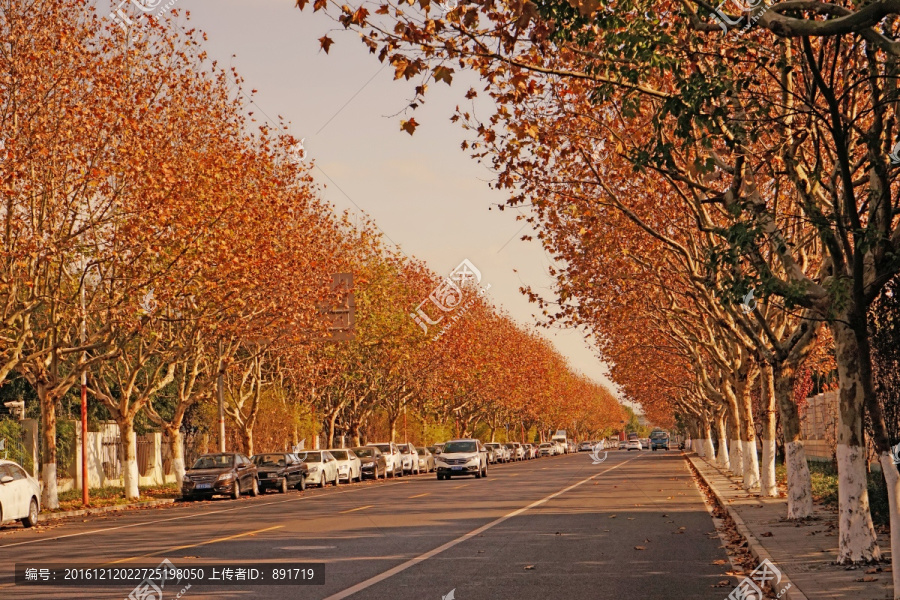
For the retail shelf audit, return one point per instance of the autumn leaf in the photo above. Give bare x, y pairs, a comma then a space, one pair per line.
325, 42
409, 126
444, 74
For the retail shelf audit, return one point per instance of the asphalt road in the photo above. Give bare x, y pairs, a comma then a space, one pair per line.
631, 527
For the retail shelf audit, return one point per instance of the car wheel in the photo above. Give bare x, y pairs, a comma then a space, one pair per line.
484, 474
32, 518
236, 494
322, 480
337, 479
478, 473
254, 491
284, 485
302, 485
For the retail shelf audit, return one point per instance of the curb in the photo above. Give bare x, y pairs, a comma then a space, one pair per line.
754, 545
51, 516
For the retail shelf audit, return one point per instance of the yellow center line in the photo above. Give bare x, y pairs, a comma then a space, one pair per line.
356, 509
420, 495
462, 486
206, 543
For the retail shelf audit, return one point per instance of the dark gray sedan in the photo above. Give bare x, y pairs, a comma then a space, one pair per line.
280, 471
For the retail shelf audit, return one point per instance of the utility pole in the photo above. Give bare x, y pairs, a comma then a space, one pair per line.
85, 480
220, 385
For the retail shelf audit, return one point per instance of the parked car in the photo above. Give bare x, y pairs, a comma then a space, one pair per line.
224, 473
20, 495
435, 449
570, 447
519, 450
410, 458
462, 457
645, 443
492, 453
623, 444
547, 449
373, 462
511, 451
279, 471
348, 464
497, 452
393, 457
322, 466
585, 447
426, 460
633, 445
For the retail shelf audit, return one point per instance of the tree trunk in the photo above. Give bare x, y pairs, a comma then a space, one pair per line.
748, 441
767, 484
493, 432
50, 495
856, 532
130, 473
709, 451
354, 433
736, 453
392, 420
722, 457
799, 484
329, 440
176, 442
247, 439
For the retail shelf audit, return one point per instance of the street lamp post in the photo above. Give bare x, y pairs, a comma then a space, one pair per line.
85, 481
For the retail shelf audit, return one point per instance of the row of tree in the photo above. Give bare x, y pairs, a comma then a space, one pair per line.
722, 195
156, 239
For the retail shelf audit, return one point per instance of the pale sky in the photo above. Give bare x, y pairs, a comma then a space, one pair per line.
423, 191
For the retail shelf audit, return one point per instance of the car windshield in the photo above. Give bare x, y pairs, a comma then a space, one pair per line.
404, 447
269, 460
312, 457
340, 454
452, 447
215, 461
545, 445
658, 435
386, 448
421, 451
364, 452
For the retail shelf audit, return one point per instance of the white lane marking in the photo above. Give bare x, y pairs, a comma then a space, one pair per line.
431, 553
191, 516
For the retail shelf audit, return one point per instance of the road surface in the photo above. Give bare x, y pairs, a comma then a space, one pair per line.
632, 527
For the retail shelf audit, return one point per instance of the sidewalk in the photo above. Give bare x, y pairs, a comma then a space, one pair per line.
52, 516
803, 552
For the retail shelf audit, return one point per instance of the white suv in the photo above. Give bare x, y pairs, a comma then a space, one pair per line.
410, 458
393, 457
462, 457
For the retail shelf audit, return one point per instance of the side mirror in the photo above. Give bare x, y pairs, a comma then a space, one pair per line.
6, 479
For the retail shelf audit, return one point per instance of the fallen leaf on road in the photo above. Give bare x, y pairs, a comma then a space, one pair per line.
723, 583
874, 570
766, 534
612, 516
719, 562
682, 528
631, 518
866, 579
664, 516
529, 567
639, 548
